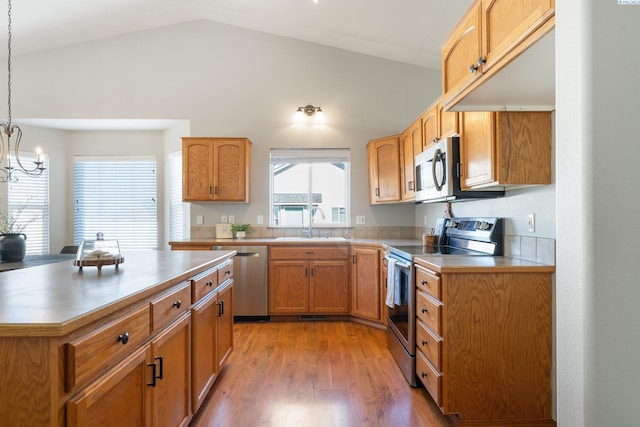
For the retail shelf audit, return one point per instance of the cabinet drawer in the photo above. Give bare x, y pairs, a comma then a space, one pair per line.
309, 252
428, 282
429, 343
202, 284
429, 310
103, 347
430, 377
225, 271
169, 306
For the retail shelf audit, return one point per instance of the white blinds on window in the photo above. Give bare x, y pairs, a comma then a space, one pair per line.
118, 197
175, 196
28, 203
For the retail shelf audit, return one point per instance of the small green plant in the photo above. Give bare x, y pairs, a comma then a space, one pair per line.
241, 227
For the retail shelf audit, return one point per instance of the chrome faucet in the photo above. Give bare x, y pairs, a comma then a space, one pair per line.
309, 232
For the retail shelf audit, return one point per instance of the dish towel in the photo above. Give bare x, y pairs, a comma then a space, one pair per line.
391, 282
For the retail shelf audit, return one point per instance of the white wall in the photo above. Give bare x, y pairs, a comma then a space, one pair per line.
248, 87
597, 99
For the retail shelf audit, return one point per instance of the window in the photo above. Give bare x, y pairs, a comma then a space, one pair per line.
118, 197
176, 217
28, 203
309, 183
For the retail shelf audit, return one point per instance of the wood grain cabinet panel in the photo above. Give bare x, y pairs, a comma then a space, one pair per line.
216, 169
365, 283
384, 170
170, 305
329, 287
411, 145
505, 149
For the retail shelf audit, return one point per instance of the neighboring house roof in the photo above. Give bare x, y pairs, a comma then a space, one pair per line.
296, 198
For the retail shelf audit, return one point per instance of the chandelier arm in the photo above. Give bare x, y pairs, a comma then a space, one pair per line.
38, 168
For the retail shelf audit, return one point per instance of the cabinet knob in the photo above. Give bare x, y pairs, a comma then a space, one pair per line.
228, 272
209, 283
473, 68
423, 310
424, 375
481, 61
424, 282
124, 338
424, 343
177, 304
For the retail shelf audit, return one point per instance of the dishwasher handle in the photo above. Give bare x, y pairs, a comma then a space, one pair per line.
248, 254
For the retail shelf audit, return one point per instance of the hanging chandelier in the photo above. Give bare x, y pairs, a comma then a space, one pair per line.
10, 130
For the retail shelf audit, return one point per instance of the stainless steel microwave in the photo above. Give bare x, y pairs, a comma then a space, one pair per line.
438, 175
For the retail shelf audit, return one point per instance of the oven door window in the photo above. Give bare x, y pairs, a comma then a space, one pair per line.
399, 314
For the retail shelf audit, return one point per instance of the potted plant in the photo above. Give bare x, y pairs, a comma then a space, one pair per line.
240, 230
13, 242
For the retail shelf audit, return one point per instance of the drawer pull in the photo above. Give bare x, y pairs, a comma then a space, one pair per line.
424, 282
424, 375
160, 360
424, 343
423, 310
124, 338
153, 374
209, 283
228, 272
177, 304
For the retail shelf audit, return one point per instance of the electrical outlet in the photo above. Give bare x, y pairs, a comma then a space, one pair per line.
360, 220
260, 219
232, 219
532, 222
223, 219
425, 220
199, 219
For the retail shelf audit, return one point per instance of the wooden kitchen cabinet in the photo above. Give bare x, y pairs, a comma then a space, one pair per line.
224, 320
216, 169
411, 145
491, 35
438, 124
486, 335
365, 282
505, 149
308, 280
385, 176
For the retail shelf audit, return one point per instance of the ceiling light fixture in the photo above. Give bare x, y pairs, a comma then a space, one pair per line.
310, 110
10, 130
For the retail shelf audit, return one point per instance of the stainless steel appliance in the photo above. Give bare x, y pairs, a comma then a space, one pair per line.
250, 292
461, 236
438, 174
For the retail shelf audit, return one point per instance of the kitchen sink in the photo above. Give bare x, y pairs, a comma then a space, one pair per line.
296, 239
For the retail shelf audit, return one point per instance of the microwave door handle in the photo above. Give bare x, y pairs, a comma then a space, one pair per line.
437, 157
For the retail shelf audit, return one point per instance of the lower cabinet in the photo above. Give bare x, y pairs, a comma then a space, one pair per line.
309, 280
224, 324
365, 282
149, 387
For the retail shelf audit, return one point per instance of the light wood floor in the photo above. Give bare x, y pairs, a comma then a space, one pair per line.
308, 374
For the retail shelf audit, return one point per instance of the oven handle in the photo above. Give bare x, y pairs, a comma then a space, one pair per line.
400, 263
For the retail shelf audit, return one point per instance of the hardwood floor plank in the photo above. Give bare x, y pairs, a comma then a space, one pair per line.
314, 374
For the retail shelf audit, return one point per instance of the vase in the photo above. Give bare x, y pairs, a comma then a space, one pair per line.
241, 234
12, 247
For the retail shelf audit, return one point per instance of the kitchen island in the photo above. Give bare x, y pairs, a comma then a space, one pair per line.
69, 337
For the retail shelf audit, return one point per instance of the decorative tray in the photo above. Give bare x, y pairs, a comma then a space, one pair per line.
99, 252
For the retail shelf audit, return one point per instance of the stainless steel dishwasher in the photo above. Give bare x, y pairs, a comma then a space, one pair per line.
250, 292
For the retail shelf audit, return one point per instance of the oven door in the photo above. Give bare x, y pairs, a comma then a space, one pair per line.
433, 170
401, 316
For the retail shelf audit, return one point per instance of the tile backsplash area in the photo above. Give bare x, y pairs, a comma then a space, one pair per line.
536, 249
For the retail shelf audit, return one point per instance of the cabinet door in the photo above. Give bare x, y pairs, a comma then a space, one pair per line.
477, 148
197, 171
118, 398
204, 340
411, 145
448, 122
329, 287
365, 292
461, 52
230, 170
170, 398
430, 133
224, 325
506, 23
288, 287
384, 170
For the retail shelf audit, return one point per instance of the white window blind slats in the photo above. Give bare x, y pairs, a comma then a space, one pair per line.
28, 202
117, 197
176, 221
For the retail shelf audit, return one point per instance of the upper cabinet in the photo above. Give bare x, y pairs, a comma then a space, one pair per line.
505, 149
438, 124
411, 146
496, 46
216, 169
384, 170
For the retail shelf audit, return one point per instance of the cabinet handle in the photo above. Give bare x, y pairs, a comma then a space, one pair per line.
209, 283
473, 68
306, 272
423, 310
221, 307
177, 304
210, 190
377, 192
312, 272
153, 375
481, 61
215, 190
308, 253
160, 359
424, 282
424, 343
353, 259
124, 338
228, 272
424, 375
410, 185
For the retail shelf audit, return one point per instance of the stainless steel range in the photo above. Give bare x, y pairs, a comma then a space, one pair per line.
461, 237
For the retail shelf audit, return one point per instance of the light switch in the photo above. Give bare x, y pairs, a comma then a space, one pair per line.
260, 219
232, 219
360, 220
199, 219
